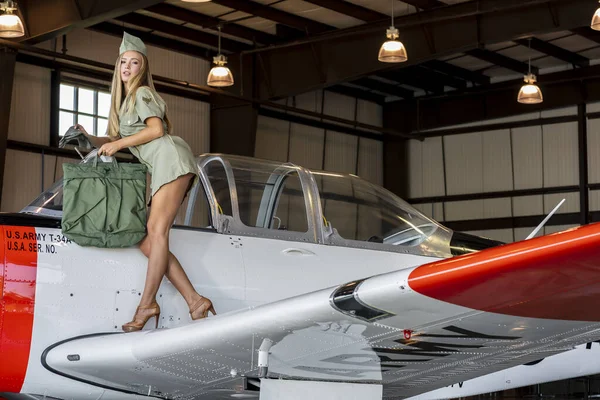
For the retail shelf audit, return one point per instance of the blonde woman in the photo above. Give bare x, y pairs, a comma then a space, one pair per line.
138, 120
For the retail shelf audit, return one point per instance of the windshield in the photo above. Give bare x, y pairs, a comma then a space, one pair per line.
359, 210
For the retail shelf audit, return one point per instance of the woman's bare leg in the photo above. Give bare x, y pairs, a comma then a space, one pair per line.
175, 274
165, 204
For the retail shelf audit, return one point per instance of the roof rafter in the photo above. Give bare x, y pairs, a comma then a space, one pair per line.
385, 88
587, 33
165, 43
350, 9
207, 21
183, 32
415, 77
425, 4
273, 14
358, 93
458, 72
555, 51
502, 61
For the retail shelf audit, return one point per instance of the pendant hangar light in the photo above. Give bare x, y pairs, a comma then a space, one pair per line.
11, 25
392, 51
595, 25
530, 93
220, 75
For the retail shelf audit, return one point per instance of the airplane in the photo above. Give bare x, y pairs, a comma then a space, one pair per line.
325, 285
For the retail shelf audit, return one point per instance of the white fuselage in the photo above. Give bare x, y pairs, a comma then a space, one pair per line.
84, 291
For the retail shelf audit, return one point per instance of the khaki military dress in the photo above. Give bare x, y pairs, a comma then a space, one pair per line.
167, 157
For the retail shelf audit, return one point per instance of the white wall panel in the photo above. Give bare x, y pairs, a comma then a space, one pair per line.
369, 113
560, 112
497, 208
311, 101
415, 165
527, 157
570, 205
340, 152
339, 105
560, 154
105, 48
306, 146
594, 200
426, 163
30, 105
191, 121
593, 150
593, 107
22, 179
464, 163
528, 205
464, 210
370, 164
271, 139
497, 161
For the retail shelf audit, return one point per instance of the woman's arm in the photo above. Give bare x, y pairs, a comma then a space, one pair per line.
153, 130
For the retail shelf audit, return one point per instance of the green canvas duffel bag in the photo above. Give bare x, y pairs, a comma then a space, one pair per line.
104, 203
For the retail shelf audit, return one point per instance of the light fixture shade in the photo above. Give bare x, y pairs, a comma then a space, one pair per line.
392, 51
196, 1
530, 93
595, 25
11, 26
220, 75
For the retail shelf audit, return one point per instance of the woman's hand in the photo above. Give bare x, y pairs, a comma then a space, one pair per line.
82, 129
110, 148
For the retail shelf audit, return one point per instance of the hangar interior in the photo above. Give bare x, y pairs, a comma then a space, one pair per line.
443, 130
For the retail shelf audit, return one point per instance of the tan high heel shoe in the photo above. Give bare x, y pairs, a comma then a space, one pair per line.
142, 315
201, 308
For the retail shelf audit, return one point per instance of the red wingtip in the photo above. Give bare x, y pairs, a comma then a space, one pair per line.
554, 277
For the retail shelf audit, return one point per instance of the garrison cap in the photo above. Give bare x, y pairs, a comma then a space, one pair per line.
131, 42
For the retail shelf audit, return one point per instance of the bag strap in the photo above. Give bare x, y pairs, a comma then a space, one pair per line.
96, 157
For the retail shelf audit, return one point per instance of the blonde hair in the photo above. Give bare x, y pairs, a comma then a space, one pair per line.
143, 78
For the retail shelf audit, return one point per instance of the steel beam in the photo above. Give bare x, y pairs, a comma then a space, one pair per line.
555, 51
502, 61
560, 89
154, 24
303, 24
8, 59
168, 44
588, 33
415, 77
358, 93
351, 53
206, 21
458, 72
425, 4
350, 9
48, 19
385, 88
584, 198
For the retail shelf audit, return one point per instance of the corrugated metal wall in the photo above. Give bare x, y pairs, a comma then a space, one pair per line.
30, 111
504, 160
320, 149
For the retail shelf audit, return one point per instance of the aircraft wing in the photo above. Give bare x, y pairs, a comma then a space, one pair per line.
412, 331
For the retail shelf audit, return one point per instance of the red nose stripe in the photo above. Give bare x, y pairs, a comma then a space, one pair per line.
553, 277
18, 267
